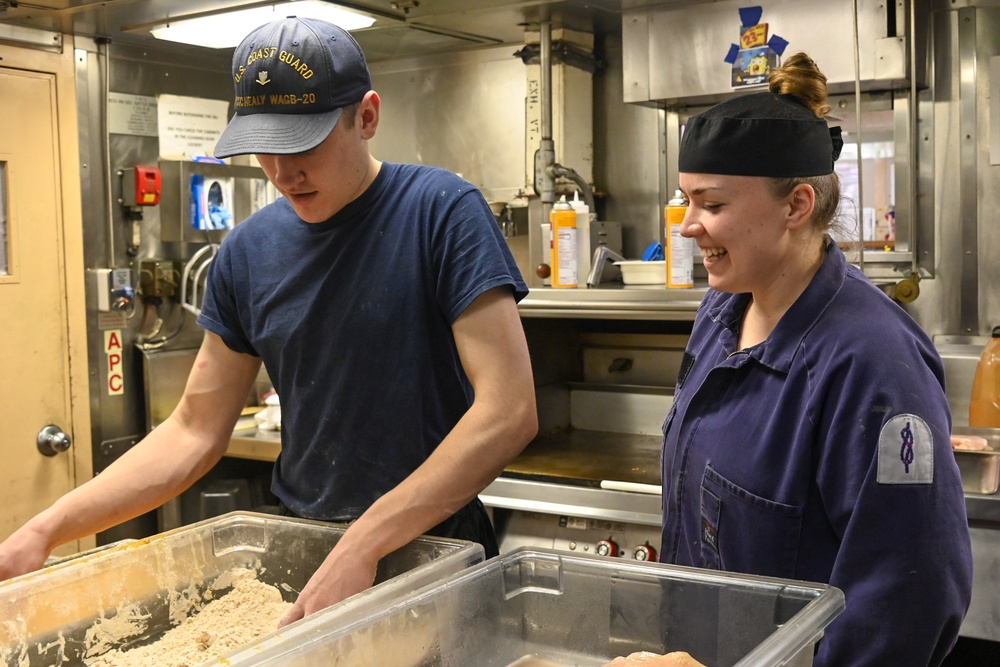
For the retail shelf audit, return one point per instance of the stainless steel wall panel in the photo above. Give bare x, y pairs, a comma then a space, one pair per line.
968, 149
628, 155
145, 72
963, 298
635, 57
938, 307
461, 111
987, 40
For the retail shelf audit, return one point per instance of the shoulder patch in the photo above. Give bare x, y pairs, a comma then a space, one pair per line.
905, 451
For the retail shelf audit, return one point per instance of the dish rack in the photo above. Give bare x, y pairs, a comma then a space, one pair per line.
194, 275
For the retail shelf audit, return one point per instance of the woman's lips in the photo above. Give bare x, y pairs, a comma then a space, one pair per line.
712, 255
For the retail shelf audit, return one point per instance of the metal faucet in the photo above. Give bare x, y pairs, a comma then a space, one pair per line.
602, 255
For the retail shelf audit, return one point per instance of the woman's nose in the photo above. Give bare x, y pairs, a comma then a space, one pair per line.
690, 227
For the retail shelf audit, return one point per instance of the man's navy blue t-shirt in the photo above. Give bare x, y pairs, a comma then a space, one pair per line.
352, 319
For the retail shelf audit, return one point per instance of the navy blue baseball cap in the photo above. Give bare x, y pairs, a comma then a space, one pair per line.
293, 78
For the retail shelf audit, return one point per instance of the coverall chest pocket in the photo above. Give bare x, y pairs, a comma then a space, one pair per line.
743, 532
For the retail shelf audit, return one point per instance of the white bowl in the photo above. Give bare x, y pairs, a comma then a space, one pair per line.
639, 272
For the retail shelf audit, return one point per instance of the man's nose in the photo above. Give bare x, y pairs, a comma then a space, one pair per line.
287, 171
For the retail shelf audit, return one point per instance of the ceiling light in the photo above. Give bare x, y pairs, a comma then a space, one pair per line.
227, 29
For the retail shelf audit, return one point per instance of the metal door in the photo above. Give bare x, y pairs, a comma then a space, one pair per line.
44, 432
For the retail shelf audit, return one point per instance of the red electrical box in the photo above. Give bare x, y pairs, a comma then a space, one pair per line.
141, 186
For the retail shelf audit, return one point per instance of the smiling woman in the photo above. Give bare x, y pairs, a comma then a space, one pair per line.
791, 444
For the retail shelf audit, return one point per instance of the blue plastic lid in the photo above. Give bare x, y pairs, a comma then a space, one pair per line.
653, 253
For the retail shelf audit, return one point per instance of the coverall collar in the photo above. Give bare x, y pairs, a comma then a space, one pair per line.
781, 346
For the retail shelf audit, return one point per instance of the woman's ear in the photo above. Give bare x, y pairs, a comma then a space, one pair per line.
801, 203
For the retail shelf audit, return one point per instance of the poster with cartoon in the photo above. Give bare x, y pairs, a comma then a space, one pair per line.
755, 55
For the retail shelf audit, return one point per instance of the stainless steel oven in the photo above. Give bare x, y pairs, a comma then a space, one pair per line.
590, 481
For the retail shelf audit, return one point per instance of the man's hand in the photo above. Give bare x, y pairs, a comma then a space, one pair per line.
24, 551
340, 576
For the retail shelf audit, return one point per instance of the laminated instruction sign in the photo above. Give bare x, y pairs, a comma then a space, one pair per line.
132, 114
189, 127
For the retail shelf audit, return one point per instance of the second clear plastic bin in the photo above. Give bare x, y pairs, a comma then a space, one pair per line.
541, 607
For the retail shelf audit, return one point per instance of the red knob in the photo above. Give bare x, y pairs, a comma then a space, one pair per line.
606, 547
644, 552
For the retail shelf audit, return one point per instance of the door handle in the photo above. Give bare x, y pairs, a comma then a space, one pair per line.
52, 440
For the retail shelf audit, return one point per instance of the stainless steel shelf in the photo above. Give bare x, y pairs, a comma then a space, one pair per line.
638, 302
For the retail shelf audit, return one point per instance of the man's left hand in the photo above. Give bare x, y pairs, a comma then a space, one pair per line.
340, 576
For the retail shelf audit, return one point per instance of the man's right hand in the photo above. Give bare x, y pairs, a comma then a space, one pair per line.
24, 551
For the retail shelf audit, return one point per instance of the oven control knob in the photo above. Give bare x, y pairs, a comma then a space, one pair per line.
606, 547
644, 552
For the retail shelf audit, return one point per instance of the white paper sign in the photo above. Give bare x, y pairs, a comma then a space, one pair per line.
189, 126
132, 114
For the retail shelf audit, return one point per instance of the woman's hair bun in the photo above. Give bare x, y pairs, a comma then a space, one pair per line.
800, 77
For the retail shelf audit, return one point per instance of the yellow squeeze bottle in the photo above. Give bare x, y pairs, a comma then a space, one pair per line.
562, 226
679, 250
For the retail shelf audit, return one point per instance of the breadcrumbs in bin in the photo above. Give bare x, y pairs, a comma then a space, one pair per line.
249, 611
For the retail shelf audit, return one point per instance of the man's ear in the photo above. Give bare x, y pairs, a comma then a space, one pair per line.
368, 114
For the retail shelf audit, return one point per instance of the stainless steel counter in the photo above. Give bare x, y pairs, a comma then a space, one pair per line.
983, 508
255, 445
559, 485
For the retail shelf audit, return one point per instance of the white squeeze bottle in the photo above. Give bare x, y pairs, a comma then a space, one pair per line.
582, 235
562, 224
679, 250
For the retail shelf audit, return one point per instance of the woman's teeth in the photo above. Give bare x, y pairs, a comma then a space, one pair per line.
713, 253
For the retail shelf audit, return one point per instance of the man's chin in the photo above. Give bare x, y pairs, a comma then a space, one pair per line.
308, 215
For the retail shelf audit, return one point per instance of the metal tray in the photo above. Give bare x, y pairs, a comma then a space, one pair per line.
980, 470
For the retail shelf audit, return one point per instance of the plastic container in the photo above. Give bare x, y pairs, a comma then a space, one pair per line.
980, 469
51, 617
561, 609
639, 272
679, 253
984, 405
563, 233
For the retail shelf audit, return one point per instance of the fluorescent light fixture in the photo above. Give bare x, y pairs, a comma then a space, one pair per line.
227, 29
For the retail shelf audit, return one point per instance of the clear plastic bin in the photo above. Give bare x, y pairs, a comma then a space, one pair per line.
45, 616
542, 607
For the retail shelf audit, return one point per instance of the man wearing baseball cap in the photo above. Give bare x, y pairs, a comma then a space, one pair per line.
381, 299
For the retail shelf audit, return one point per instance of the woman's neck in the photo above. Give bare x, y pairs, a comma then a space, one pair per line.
768, 306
